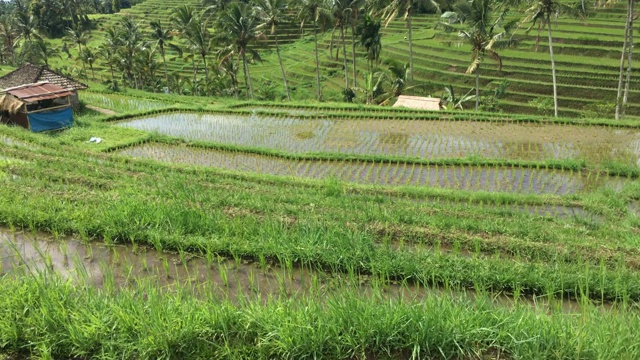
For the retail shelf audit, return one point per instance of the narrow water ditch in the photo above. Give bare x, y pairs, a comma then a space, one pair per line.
100, 265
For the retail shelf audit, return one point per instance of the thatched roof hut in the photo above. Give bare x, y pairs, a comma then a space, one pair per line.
418, 102
30, 74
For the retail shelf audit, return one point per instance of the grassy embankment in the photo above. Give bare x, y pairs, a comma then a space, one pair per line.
412, 236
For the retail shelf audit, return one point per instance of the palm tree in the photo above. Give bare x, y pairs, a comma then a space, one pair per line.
370, 39
483, 32
44, 51
181, 19
87, 56
354, 21
9, 35
161, 37
131, 41
272, 13
540, 14
26, 24
340, 10
406, 8
314, 10
239, 27
201, 41
627, 53
109, 57
79, 37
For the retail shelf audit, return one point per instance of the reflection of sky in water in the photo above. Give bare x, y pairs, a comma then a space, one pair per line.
504, 179
322, 135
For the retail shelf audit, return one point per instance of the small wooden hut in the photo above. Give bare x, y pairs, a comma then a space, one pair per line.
418, 102
30, 74
38, 107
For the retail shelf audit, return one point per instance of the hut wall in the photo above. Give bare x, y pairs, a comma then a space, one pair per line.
16, 119
74, 100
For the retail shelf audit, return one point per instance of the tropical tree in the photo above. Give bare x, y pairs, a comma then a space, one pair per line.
131, 40
239, 27
340, 13
26, 24
627, 54
109, 50
314, 11
9, 36
273, 13
89, 57
540, 14
354, 21
406, 9
373, 85
483, 31
451, 101
42, 51
181, 19
370, 39
201, 41
398, 75
78, 36
161, 38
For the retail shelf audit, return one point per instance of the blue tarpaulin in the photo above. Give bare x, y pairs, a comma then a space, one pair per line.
51, 120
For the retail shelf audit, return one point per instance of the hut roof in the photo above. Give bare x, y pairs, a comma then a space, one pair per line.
418, 102
29, 74
37, 92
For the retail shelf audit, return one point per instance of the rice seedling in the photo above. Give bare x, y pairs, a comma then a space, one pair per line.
423, 139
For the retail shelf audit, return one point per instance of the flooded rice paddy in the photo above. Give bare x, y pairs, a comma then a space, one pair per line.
493, 179
120, 266
411, 138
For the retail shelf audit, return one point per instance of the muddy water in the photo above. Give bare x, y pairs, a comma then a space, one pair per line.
424, 139
119, 266
495, 179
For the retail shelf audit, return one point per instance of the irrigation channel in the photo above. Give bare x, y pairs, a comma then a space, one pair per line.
493, 179
118, 266
409, 138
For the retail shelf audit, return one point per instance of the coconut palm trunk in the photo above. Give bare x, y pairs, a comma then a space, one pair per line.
410, 52
166, 70
553, 68
315, 41
477, 87
625, 98
284, 74
247, 76
622, 58
206, 71
344, 58
353, 44
84, 67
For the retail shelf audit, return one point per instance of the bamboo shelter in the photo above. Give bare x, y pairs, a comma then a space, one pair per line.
38, 107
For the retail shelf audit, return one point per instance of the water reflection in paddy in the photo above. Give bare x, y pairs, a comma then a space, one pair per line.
503, 179
416, 138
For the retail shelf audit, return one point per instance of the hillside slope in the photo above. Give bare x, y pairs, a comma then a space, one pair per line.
587, 59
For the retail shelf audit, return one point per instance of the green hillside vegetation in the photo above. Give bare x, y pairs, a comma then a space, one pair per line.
587, 54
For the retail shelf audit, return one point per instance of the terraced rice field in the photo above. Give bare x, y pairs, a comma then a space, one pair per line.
406, 138
492, 179
331, 233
